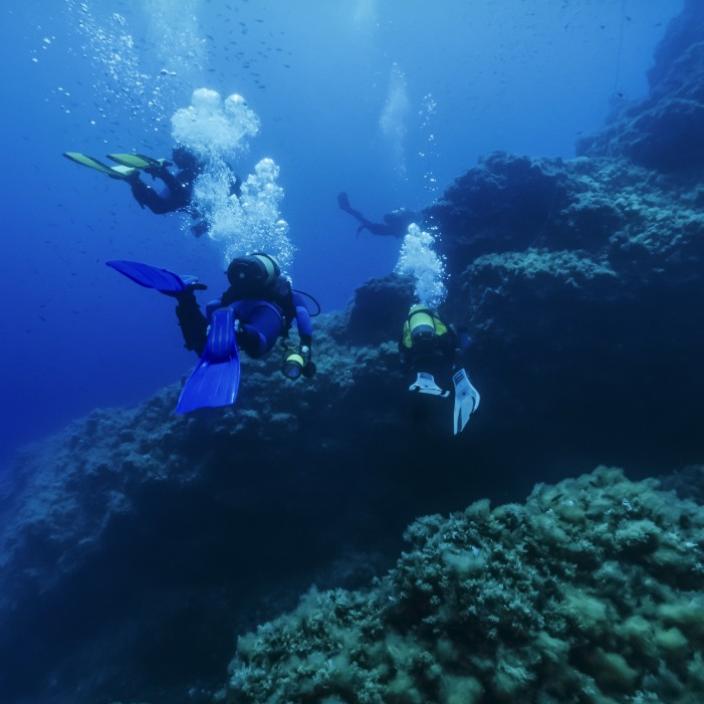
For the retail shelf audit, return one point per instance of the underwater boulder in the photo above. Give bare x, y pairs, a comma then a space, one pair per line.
665, 131
379, 309
536, 601
682, 32
506, 202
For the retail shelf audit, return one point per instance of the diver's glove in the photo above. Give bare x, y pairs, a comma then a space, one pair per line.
187, 292
297, 362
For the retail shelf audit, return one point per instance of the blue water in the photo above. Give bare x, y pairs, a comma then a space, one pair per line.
523, 76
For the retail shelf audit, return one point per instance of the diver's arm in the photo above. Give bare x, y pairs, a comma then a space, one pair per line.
404, 355
304, 324
450, 346
192, 322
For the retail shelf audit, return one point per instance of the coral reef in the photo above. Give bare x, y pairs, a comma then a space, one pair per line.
590, 592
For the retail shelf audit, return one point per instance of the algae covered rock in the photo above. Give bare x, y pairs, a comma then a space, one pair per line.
565, 598
664, 131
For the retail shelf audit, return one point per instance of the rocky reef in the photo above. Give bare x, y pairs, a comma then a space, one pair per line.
591, 591
136, 544
664, 132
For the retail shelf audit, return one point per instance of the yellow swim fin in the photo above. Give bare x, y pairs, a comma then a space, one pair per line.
118, 172
138, 161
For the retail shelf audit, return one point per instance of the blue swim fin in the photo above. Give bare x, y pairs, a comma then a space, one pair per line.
148, 276
216, 379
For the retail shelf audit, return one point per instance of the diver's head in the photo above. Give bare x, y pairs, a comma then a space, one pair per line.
252, 274
421, 324
185, 160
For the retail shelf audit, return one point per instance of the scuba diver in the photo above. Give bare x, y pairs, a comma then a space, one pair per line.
256, 310
177, 191
395, 223
428, 349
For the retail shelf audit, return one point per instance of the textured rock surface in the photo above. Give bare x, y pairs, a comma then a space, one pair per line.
585, 313
665, 131
590, 592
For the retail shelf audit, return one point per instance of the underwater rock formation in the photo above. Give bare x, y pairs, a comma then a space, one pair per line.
589, 592
153, 539
375, 304
665, 131
584, 310
158, 536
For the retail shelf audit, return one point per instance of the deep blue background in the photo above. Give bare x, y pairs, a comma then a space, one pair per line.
526, 77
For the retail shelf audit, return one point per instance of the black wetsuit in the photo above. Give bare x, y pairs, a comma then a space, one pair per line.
434, 356
178, 194
395, 223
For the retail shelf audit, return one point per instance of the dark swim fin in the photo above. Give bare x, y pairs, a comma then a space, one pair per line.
148, 276
138, 161
121, 172
216, 379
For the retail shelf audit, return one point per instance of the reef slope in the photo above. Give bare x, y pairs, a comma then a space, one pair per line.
591, 591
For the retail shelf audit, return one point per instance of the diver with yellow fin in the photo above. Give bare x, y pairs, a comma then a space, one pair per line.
428, 349
177, 191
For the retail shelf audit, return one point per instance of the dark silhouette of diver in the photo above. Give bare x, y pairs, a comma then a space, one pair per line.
177, 191
395, 223
429, 348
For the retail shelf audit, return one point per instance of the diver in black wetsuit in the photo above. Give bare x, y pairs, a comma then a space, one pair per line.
177, 193
395, 223
179, 185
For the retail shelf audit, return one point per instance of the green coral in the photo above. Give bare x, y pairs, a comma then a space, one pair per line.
590, 592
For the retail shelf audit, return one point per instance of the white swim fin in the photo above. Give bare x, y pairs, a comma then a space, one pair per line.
466, 400
425, 384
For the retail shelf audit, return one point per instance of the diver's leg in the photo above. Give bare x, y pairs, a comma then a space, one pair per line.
260, 330
344, 202
146, 196
170, 181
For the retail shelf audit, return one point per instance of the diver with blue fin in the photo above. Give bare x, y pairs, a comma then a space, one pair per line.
256, 310
428, 349
176, 192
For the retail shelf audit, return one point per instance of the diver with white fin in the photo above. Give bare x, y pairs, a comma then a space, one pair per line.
428, 349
